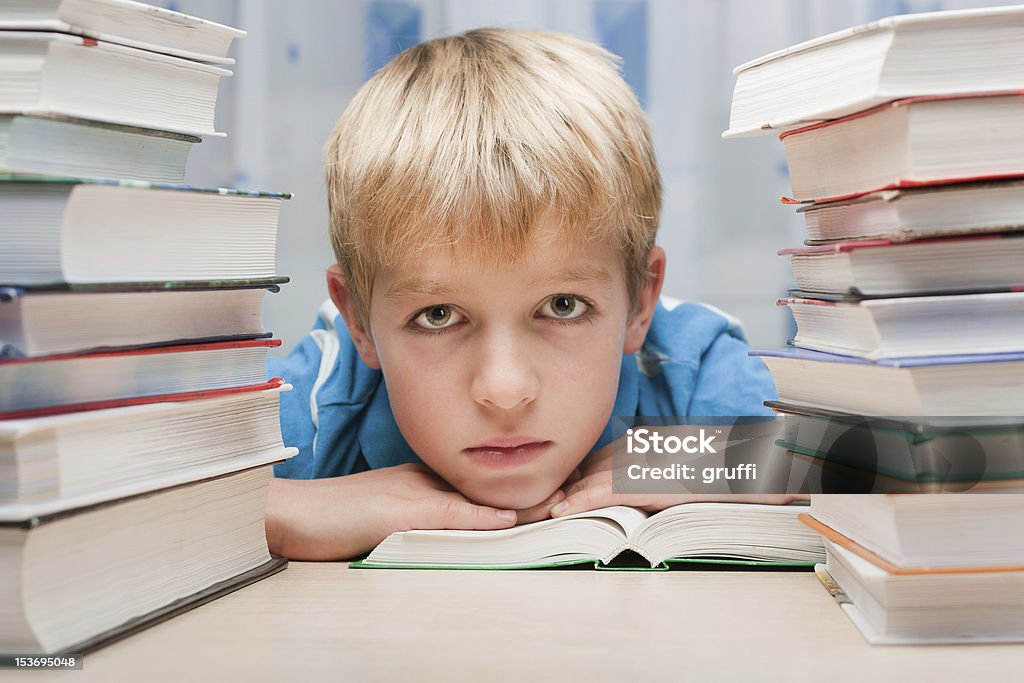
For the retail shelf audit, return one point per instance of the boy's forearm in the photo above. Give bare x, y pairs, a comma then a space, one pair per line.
302, 521
340, 518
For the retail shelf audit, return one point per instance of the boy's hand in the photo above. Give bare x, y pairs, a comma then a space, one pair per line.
594, 490
344, 517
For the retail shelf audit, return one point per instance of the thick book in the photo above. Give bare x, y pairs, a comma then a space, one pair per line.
922, 533
46, 321
135, 24
906, 453
57, 73
63, 146
902, 215
64, 461
908, 143
702, 533
932, 608
57, 230
903, 327
818, 473
76, 581
880, 267
962, 385
933, 53
86, 381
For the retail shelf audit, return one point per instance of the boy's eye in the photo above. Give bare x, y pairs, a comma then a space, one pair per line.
563, 307
437, 317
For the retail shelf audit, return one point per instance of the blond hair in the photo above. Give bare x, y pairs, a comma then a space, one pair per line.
469, 140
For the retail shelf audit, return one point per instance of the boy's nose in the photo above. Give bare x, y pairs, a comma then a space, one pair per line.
505, 377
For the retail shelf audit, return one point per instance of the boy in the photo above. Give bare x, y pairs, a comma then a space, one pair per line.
494, 201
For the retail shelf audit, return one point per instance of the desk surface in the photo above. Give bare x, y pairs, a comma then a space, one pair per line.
318, 621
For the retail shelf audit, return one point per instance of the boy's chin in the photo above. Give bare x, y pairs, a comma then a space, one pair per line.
510, 499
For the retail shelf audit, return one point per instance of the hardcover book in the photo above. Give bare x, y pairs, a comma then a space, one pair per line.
910, 326
57, 73
916, 533
931, 53
63, 230
75, 382
78, 580
930, 453
822, 474
64, 461
903, 215
46, 321
879, 267
968, 605
960, 385
908, 143
136, 24
63, 146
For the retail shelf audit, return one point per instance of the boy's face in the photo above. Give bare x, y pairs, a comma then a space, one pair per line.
503, 376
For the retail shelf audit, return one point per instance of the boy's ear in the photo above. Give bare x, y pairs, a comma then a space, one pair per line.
342, 297
647, 301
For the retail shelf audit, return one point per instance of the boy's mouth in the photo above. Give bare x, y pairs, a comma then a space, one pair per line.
507, 451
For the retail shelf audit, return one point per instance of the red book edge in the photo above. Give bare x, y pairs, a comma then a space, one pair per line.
152, 350
902, 184
875, 559
788, 300
851, 245
274, 383
903, 102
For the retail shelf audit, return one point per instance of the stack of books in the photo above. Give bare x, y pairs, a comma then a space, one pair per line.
925, 569
905, 145
137, 428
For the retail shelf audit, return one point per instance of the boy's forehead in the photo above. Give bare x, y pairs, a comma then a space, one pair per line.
440, 271
450, 282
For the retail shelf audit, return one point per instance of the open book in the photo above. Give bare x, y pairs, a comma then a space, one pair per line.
730, 533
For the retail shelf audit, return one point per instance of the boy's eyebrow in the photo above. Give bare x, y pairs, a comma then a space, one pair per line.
416, 286
582, 273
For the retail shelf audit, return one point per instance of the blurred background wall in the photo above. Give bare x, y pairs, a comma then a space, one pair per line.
722, 222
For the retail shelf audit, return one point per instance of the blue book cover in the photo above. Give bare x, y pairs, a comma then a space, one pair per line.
796, 353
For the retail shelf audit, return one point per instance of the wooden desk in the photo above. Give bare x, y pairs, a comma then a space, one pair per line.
327, 622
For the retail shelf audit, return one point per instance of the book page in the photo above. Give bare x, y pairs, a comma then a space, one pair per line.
625, 518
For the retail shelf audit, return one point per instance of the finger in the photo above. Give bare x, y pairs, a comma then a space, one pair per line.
590, 497
455, 512
541, 510
596, 479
